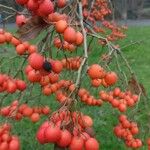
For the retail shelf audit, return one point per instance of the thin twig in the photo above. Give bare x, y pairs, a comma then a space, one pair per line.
78, 81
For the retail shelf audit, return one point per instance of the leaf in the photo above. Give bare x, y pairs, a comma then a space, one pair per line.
31, 29
136, 87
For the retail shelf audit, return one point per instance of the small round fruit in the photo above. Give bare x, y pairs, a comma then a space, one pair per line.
52, 134
20, 49
36, 61
60, 26
20, 20
79, 38
70, 35
95, 71
21, 85
91, 144
111, 78
65, 139
35, 117
57, 66
61, 3
45, 8
77, 143
14, 144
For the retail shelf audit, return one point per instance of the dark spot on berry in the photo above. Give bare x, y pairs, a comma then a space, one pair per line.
47, 66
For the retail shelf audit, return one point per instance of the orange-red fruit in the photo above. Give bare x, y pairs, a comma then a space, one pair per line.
65, 139
20, 49
52, 134
148, 141
122, 107
5, 111
34, 76
96, 82
8, 36
32, 5
45, 8
95, 71
111, 78
57, 66
70, 35
79, 38
11, 87
116, 92
87, 121
91, 144
46, 110
61, 3
60, 26
41, 136
20, 20
27, 111
36, 61
35, 117
21, 85
32, 49
77, 143
4, 146
14, 144
15, 41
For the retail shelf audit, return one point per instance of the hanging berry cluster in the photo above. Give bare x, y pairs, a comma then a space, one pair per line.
10, 85
55, 132
127, 130
17, 112
7, 140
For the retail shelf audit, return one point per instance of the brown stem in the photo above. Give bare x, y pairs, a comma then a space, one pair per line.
56, 147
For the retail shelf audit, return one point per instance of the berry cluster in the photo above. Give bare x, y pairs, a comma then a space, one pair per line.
7, 140
100, 77
40, 8
89, 99
72, 63
41, 70
97, 13
17, 112
21, 47
118, 99
10, 85
54, 132
70, 36
127, 130
55, 88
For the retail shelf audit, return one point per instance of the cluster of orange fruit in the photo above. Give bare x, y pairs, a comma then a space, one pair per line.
54, 131
127, 130
98, 12
72, 63
21, 47
7, 140
118, 99
10, 85
88, 99
70, 36
99, 76
17, 112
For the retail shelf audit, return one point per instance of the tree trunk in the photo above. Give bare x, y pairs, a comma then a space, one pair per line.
124, 10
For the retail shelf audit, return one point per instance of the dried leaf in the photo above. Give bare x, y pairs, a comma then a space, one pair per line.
31, 29
136, 87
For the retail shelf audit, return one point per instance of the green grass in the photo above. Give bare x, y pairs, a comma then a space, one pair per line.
105, 118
